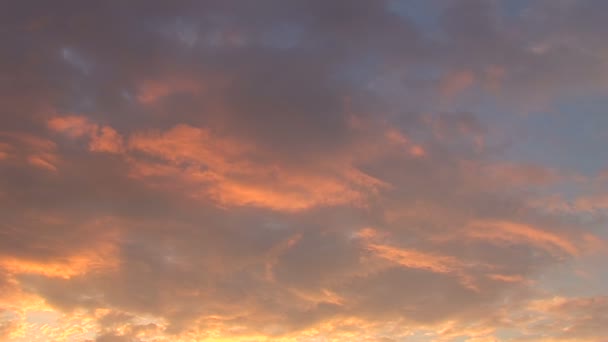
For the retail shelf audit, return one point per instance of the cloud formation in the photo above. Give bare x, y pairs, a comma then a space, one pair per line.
303, 171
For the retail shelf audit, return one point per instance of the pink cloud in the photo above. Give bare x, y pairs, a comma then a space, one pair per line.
101, 138
512, 232
24, 148
455, 82
152, 91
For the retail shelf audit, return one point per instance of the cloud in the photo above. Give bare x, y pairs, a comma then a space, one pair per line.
151, 91
515, 232
25, 148
456, 82
300, 171
72, 126
102, 139
227, 170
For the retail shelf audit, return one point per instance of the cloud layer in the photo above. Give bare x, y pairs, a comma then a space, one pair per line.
303, 171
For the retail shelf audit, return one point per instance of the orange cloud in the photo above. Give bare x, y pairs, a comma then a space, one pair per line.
67, 268
56, 326
101, 138
415, 259
184, 143
417, 151
516, 174
73, 126
42, 161
29, 149
107, 140
152, 90
512, 232
591, 203
274, 254
226, 170
4, 150
456, 82
100, 257
396, 138
568, 319
508, 278
368, 233
290, 192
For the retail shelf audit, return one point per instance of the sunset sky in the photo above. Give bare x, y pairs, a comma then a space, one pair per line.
304, 171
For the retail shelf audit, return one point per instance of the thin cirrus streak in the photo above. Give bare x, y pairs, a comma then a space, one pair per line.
376, 171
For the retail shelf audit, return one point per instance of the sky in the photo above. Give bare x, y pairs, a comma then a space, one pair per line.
304, 171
